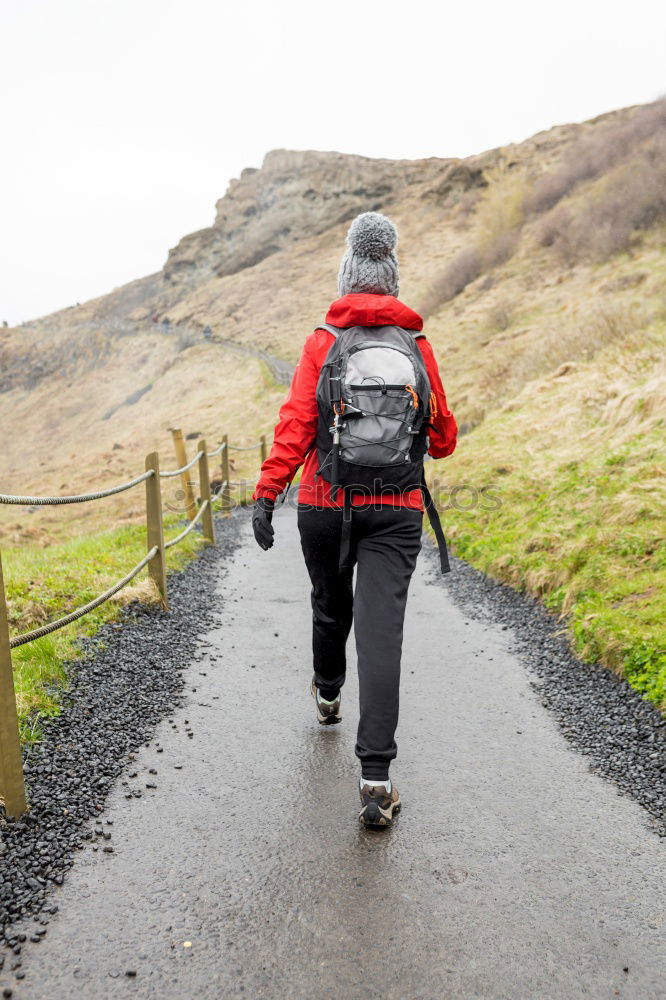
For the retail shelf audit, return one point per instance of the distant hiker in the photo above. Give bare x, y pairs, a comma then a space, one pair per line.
165, 325
366, 402
207, 332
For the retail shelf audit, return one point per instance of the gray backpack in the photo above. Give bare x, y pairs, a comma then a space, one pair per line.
374, 401
373, 397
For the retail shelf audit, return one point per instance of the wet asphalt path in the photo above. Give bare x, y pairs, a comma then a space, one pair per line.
513, 872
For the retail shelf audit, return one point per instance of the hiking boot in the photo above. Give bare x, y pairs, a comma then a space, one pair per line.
328, 712
378, 805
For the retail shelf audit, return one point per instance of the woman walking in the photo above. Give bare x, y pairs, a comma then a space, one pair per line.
365, 404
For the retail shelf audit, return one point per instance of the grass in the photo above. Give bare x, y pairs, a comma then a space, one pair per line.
578, 465
45, 584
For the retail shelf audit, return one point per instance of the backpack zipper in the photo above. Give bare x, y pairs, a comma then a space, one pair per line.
376, 388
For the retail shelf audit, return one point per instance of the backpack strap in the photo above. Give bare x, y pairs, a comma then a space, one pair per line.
345, 534
433, 516
335, 330
436, 525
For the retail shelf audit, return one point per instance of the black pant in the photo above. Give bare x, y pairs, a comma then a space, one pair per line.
385, 544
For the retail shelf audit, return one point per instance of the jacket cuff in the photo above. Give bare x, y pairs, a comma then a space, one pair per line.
267, 492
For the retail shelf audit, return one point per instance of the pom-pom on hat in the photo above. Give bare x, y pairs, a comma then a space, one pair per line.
370, 264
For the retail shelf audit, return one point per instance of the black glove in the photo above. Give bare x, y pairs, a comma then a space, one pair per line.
261, 522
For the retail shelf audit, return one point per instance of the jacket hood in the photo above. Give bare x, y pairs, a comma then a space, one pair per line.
360, 309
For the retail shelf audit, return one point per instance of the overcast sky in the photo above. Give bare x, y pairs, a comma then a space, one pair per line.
122, 121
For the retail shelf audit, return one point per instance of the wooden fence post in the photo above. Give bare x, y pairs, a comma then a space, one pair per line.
262, 445
204, 493
181, 459
12, 787
226, 486
154, 529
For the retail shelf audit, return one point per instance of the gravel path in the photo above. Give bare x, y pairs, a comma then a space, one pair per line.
238, 865
601, 715
131, 677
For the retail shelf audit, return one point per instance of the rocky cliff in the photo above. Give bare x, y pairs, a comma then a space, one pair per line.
294, 195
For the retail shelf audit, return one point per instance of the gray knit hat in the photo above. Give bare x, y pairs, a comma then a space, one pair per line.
370, 264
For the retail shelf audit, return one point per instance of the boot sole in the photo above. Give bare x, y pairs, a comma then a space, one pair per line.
324, 720
374, 817
328, 720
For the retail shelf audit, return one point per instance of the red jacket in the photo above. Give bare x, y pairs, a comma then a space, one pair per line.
295, 432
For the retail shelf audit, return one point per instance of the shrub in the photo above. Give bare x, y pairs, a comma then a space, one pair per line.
593, 155
466, 206
186, 338
500, 316
501, 249
553, 226
500, 215
633, 198
498, 222
555, 230
465, 267
500, 211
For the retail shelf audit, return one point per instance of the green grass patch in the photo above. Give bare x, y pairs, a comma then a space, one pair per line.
587, 537
43, 584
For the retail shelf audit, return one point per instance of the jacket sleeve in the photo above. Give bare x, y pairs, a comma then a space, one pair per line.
443, 433
296, 429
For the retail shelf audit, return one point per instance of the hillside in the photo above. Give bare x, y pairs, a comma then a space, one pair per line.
540, 268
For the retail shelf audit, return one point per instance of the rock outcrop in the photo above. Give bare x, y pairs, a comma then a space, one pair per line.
294, 195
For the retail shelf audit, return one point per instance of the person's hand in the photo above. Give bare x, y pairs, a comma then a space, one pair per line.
261, 522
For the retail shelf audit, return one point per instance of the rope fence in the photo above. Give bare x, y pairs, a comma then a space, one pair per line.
218, 451
81, 498
198, 511
249, 447
183, 468
39, 633
174, 541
